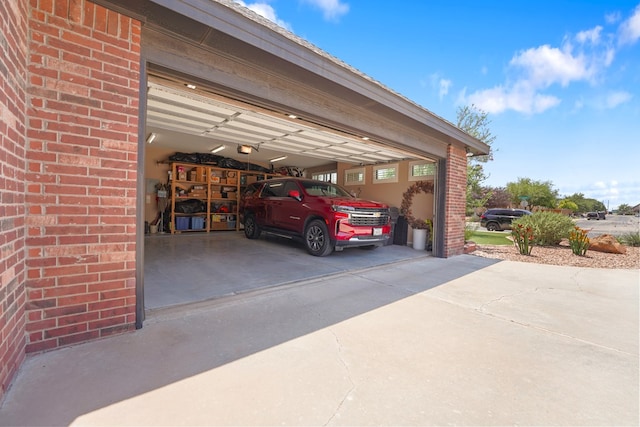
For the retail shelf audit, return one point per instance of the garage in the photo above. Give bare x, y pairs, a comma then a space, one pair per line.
299, 112
185, 122
99, 94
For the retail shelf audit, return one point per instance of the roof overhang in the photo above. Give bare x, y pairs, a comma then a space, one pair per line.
265, 64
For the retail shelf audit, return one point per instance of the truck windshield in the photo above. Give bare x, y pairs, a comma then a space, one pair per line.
315, 188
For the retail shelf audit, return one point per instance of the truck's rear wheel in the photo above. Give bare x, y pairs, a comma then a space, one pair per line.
251, 229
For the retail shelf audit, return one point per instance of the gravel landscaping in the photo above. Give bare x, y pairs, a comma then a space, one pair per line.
562, 255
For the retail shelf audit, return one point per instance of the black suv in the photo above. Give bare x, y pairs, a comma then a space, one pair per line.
500, 219
596, 215
323, 215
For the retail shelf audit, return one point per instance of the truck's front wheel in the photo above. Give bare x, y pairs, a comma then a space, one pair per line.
316, 238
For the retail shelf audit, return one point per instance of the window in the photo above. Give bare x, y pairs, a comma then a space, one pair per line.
385, 173
354, 176
274, 189
326, 177
421, 169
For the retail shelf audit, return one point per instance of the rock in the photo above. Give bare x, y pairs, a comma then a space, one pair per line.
606, 243
470, 247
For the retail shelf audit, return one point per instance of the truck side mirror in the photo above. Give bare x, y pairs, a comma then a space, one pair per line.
295, 194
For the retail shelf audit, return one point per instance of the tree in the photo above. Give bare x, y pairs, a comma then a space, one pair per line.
625, 209
475, 122
584, 204
500, 198
477, 195
537, 193
568, 204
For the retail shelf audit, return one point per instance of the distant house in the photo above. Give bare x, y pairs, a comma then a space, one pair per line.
636, 209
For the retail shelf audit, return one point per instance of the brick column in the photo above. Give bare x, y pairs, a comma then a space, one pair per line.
456, 199
13, 54
81, 172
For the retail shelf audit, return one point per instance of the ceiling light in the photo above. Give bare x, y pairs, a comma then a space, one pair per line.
244, 149
292, 116
190, 86
277, 159
152, 136
365, 138
218, 148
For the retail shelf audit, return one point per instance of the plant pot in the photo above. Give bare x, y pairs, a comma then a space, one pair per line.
419, 239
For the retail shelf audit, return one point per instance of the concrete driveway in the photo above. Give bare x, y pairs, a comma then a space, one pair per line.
465, 340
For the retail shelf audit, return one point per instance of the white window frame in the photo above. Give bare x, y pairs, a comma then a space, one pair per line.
354, 171
321, 176
394, 178
421, 177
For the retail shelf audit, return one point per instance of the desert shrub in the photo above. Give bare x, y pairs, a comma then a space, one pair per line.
468, 232
549, 228
579, 241
523, 238
630, 239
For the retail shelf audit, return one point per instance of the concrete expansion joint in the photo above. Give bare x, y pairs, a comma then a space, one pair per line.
484, 306
560, 334
344, 363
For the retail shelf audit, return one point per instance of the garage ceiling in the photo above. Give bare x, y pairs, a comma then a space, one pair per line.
192, 120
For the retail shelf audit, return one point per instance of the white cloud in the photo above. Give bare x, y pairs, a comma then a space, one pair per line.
519, 98
332, 10
612, 193
583, 57
440, 84
629, 31
266, 11
444, 85
545, 65
612, 18
590, 36
616, 98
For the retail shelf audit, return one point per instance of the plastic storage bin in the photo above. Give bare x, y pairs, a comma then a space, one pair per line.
182, 223
197, 223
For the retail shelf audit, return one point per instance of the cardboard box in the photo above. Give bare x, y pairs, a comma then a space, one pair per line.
182, 176
216, 195
218, 218
193, 175
201, 174
232, 181
251, 179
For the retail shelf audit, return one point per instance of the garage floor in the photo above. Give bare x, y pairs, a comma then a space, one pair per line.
190, 267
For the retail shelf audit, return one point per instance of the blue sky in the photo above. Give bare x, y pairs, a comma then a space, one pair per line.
559, 79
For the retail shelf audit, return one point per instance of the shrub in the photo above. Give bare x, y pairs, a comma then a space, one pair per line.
549, 228
523, 238
468, 232
579, 241
630, 239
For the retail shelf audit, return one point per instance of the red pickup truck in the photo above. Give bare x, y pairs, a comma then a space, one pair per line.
323, 215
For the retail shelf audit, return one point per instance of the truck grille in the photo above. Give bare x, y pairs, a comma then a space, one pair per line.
370, 217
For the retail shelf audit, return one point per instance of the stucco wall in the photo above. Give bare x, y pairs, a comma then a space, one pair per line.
83, 88
13, 52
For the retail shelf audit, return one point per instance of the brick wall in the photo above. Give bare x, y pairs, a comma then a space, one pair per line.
81, 172
455, 201
13, 52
